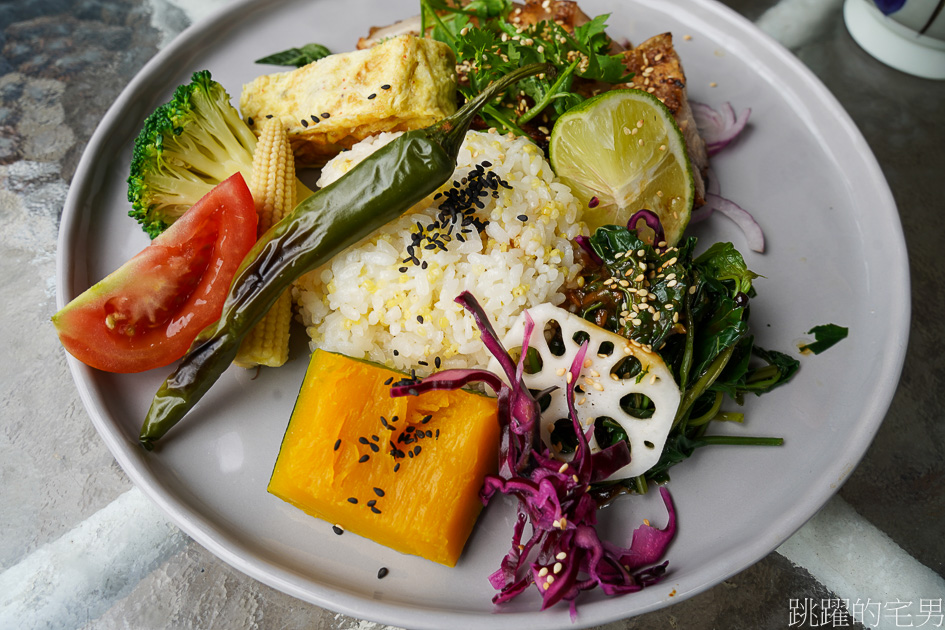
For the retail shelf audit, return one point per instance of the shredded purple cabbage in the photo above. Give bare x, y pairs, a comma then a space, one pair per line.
552, 496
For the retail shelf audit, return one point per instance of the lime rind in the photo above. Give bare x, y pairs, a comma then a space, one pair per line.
624, 148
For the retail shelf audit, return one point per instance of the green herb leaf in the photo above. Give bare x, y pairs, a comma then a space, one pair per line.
825, 336
724, 263
296, 57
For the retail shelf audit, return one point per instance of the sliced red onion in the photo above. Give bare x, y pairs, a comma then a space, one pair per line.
718, 128
741, 217
585, 243
652, 221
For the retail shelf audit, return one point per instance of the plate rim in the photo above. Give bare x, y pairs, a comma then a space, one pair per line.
202, 530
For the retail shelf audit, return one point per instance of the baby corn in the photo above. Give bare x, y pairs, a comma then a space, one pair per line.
273, 188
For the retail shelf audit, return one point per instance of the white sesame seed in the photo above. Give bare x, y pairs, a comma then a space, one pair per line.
563, 467
557, 568
560, 371
561, 555
543, 572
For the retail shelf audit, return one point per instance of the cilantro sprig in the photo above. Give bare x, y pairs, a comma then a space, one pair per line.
488, 45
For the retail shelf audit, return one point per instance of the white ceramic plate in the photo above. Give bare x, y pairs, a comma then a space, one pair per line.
835, 254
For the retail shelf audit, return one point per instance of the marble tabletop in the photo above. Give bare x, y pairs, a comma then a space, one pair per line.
82, 548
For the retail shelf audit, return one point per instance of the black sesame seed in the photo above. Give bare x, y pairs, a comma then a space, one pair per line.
395, 418
423, 265
326, 115
382, 573
378, 492
396, 353
423, 363
389, 381
410, 429
337, 444
304, 123
268, 115
249, 121
363, 459
314, 118
337, 529
410, 454
436, 361
371, 96
372, 503
396, 466
416, 449
426, 419
374, 447
522, 217
352, 500
402, 269
437, 434
386, 86
420, 318
363, 440
486, 163
375, 510
374, 437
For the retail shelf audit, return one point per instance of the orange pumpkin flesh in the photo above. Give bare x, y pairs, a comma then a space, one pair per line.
429, 504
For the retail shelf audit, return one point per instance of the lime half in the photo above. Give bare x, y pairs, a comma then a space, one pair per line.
621, 152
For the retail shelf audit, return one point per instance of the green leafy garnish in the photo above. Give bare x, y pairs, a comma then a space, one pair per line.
825, 336
296, 57
490, 46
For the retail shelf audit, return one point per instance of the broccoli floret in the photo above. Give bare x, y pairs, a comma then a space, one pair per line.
187, 147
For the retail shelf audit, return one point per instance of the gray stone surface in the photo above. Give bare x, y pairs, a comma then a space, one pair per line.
63, 63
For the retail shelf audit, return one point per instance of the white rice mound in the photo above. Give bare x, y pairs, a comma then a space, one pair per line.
361, 304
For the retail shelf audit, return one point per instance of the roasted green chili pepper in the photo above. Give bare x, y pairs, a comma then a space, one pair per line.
376, 191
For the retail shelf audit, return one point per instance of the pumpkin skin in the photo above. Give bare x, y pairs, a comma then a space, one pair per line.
429, 504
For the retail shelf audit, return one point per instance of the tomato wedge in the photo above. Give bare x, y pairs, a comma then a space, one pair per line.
147, 313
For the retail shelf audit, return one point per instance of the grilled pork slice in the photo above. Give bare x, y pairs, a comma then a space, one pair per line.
658, 70
329, 105
565, 13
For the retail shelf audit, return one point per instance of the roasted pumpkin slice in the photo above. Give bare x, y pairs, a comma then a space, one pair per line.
405, 472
